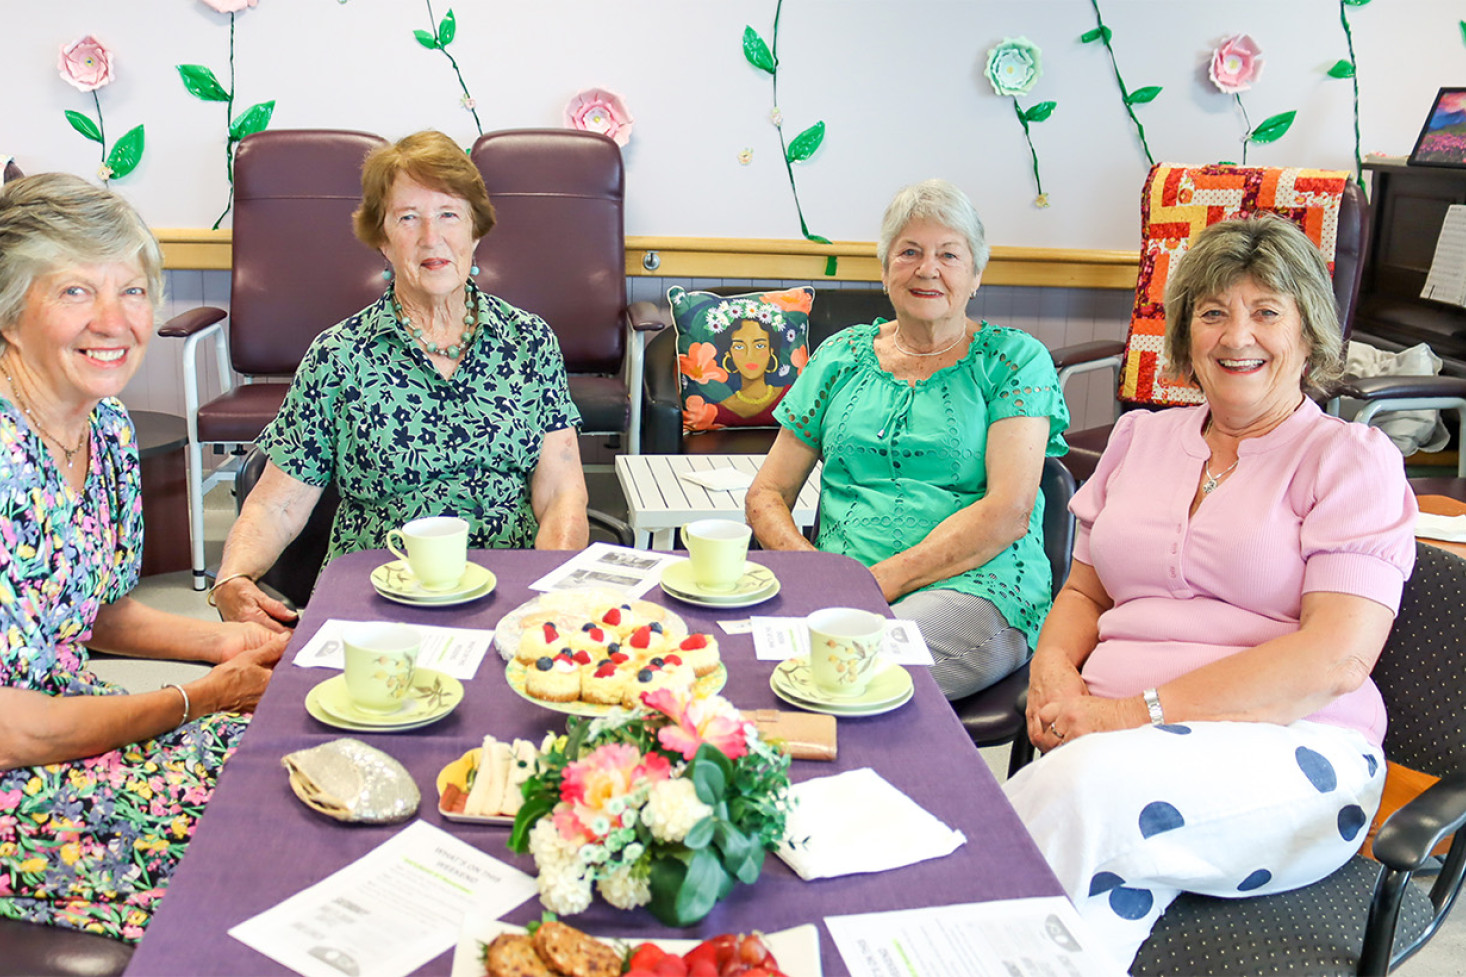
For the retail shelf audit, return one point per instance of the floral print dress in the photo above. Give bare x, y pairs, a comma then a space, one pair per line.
88, 844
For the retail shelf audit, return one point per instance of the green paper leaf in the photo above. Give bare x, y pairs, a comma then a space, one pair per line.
126, 153
1142, 95
817, 239
200, 81
426, 40
1040, 112
84, 125
756, 51
1463, 31
1096, 34
700, 835
1342, 68
806, 143
447, 29
1355, 3
252, 120
1272, 129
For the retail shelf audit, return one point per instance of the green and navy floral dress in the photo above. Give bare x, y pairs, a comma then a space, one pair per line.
368, 410
88, 844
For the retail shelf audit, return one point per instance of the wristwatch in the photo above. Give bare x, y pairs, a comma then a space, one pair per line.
1153, 703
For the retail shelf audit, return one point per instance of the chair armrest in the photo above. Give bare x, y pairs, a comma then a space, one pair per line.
185, 324
646, 317
1093, 353
1399, 387
611, 524
1410, 834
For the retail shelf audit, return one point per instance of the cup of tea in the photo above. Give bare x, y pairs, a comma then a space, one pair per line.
718, 549
844, 646
436, 550
380, 661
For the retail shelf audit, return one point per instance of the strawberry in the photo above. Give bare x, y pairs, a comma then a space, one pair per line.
620, 657
645, 956
672, 660
606, 671
583, 657
641, 637
702, 969
612, 617
693, 642
596, 634
670, 966
550, 633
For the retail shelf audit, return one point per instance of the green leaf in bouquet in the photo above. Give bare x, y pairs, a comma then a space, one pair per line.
252, 120
1273, 128
699, 893
711, 771
530, 812
425, 39
1039, 112
84, 125
743, 858
756, 52
1343, 68
700, 835
200, 81
447, 29
1142, 95
806, 143
126, 153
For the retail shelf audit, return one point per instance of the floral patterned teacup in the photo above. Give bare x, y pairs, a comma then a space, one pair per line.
844, 645
380, 660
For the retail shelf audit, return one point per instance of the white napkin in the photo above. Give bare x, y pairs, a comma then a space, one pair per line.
856, 822
719, 479
1452, 529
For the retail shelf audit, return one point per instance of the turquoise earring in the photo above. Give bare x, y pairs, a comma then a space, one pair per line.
386, 274
473, 270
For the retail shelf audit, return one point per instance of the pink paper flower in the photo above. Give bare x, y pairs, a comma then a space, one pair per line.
1235, 64
85, 64
700, 364
230, 6
597, 110
696, 721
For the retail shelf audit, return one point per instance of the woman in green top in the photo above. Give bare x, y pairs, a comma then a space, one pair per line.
437, 399
933, 430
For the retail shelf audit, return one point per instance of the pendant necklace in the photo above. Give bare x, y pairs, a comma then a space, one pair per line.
1212, 481
35, 422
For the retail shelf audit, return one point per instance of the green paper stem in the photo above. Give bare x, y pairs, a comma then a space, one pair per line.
101, 128
1104, 35
442, 40
1354, 80
831, 262
1247, 132
228, 143
1023, 119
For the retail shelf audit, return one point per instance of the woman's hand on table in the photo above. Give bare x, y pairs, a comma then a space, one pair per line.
242, 600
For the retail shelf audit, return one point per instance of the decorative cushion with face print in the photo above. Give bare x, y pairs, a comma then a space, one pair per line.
737, 355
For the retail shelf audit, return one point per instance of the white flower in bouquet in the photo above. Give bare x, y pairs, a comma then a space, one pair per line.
673, 808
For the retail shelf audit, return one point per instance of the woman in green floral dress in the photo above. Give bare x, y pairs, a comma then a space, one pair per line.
99, 789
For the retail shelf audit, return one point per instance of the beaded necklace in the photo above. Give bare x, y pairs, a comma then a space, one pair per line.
470, 323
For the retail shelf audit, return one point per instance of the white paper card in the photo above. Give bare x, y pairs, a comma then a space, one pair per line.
452, 651
390, 911
778, 638
1447, 279
718, 479
1008, 938
1452, 529
607, 567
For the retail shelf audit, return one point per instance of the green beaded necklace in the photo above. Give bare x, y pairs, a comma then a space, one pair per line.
470, 323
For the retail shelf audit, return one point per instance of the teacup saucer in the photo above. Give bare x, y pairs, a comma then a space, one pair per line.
394, 580
757, 585
890, 683
433, 696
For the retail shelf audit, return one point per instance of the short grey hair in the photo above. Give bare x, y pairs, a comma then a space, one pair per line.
1279, 257
934, 200
50, 221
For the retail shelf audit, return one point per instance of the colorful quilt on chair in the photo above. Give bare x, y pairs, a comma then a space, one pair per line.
1178, 201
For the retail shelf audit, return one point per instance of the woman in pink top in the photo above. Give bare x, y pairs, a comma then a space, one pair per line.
1201, 687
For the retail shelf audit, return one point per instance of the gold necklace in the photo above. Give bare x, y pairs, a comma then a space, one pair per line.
896, 338
34, 421
769, 393
470, 322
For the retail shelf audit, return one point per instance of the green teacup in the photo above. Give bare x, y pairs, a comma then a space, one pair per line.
380, 661
844, 646
436, 550
718, 549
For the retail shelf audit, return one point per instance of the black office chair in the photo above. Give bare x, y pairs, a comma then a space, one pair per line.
993, 716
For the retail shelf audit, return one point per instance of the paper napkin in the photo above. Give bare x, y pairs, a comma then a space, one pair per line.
719, 479
1452, 529
857, 822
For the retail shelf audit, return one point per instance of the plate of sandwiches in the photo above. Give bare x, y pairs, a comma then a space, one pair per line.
483, 785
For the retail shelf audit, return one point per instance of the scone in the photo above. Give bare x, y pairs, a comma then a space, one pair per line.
513, 955
575, 954
554, 679
700, 651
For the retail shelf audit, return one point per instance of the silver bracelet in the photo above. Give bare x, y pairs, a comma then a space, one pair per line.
210, 599
187, 706
1153, 703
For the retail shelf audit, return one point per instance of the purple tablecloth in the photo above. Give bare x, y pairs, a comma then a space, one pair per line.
258, 845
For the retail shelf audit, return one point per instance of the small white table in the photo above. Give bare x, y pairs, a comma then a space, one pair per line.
660, 502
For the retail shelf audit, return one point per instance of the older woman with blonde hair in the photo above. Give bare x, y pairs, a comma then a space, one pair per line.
99, 789
437, 399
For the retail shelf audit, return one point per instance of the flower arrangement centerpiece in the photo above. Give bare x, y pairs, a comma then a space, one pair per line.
666, 807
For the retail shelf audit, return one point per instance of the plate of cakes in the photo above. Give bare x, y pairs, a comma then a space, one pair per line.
587, 654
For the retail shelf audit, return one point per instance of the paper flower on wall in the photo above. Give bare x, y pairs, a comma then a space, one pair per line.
1130, 98
1013, 68
599, 110
1235, 64
86, 65
230, 6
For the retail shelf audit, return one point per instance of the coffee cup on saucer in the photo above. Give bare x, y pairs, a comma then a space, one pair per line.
844, 647
436, 550
380, 661
718, 549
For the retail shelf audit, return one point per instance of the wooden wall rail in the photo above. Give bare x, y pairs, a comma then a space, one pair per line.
753, 258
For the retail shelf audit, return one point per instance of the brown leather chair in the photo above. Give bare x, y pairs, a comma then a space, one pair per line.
559, 250
12, 172
297, 270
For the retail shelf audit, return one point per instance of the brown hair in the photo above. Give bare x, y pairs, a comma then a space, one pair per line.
429, 158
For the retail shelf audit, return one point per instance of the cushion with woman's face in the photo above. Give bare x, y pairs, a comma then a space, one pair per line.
737, 355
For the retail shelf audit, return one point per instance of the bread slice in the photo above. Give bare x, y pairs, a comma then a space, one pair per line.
513, 955
522, 766
487, 793
575, 954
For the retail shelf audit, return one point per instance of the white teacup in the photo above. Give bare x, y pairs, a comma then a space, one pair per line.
718, 549
380, 661
844, 646
437, 550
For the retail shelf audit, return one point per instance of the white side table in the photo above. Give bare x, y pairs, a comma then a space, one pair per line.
659, 502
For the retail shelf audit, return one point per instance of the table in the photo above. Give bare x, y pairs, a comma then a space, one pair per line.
257, 845
1443, 505
659, 501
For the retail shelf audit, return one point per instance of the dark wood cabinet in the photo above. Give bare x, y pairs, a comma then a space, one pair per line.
1409, 205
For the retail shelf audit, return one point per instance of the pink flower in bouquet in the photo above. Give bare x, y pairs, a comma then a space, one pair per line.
597, 110
1235, 64
591, 784
230, 6
85, 64
695, 721
700, 364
